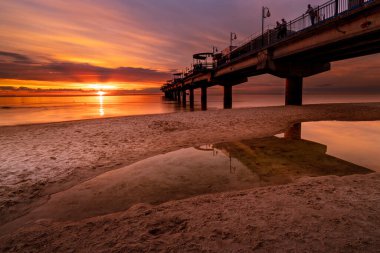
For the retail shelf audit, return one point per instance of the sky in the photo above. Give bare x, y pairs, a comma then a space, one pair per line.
137, 44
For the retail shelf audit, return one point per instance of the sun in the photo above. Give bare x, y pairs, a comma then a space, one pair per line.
100, 87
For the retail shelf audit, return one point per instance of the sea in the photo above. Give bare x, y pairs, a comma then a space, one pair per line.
34, 110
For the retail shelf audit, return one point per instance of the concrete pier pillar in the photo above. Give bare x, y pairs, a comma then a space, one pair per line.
294, 132
204, 98
293, 93
191, 99
178, 96
227, 101
184, 98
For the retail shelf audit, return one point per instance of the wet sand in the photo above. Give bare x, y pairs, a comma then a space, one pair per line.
38, 160
327, 214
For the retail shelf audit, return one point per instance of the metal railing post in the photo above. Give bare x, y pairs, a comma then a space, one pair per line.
336, 7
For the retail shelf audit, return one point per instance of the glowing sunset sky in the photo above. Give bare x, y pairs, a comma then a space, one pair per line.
136, 44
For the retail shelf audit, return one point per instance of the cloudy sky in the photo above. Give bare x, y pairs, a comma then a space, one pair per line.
136, 44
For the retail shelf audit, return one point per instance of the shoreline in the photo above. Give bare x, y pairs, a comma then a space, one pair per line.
78, 95
42, 159
165, 113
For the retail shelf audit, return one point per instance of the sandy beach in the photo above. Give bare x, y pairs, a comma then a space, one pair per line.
322, 214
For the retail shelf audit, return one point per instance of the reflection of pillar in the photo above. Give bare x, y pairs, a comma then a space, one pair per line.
227, 102
293, 93
191, 98
184, 98
204, 98
294, 132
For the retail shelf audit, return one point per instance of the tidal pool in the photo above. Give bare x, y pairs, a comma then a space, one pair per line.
355, 142
352, 148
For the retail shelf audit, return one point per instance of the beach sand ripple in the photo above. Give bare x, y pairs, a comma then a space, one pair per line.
325, 214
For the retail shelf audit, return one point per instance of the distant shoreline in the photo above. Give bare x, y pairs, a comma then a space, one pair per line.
79, 95
8, 108
210, 94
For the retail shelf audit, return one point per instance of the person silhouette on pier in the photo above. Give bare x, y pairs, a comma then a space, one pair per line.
278, 30
312, 14
284, 28
281, 29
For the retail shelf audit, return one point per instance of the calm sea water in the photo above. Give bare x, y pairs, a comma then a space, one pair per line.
29, 110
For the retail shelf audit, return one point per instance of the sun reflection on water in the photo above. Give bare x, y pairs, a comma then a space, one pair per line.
101, 102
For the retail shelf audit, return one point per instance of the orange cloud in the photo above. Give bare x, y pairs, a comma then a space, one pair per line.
21, 67
138, 42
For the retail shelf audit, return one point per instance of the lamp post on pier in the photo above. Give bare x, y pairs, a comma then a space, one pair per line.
233, 37
264, 14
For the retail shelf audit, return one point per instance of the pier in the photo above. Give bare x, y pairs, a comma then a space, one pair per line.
341, 29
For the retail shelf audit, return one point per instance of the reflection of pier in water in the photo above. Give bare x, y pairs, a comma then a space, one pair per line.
294, 132
208, 147
282, 160
194, 171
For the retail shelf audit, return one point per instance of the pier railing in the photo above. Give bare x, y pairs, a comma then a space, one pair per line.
325, 12
322, 13
257, 42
